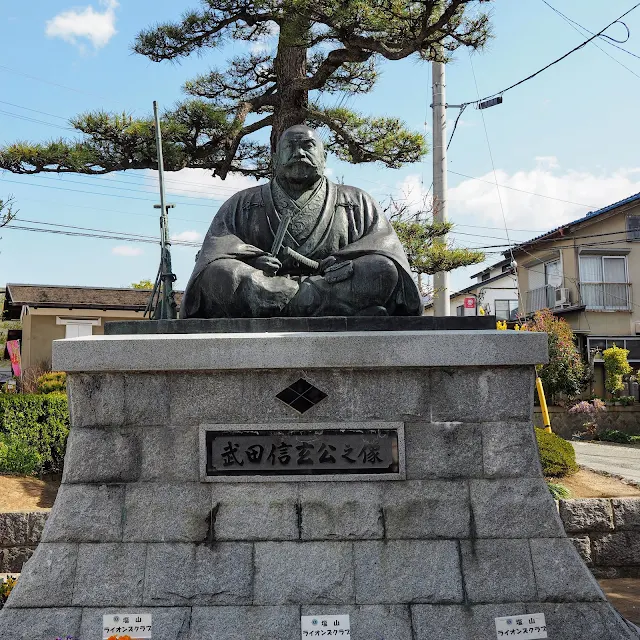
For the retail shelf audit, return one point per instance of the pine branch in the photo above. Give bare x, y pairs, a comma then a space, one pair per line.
357, 139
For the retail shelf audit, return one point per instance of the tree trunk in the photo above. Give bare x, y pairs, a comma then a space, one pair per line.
290, 65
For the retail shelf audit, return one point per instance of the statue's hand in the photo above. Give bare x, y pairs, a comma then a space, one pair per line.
325, 263
268, 264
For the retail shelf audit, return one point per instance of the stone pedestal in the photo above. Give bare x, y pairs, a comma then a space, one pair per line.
468, 532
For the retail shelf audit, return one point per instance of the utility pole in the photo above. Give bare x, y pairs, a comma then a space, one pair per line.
441, 279
162, 302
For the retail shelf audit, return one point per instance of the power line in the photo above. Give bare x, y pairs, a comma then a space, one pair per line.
595, 44
608, 39
556, 61
28, 119
531, 193
55, 84
44, 113
110, 195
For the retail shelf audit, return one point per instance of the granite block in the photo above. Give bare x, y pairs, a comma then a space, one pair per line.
514, 508
497, 571
14, 528
457, 622
96, 400
582, 545
328, 510
303, 572
617, 549
561, 575
39, 624
12, 559
391, 394
352, 394
369, 622
241, 623
86, 513
109, 575
169, 454
443, 450
102, 455
47, 579
285, 350
202, 397
169, 623
263, 387
509, 450
586, 514
472, 394
146, 399
401, 571
583, 621
37, 520
626, 513
427, 509
186, 574
167, 512
255, 511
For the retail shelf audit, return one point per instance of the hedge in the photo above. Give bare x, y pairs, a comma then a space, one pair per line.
36, 422
557, 455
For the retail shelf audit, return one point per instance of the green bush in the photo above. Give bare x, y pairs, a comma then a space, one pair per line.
40, 421
18, 456
52, 382
557, 455
6, 585
613, 435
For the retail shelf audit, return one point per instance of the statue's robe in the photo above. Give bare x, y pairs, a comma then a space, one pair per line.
350, 225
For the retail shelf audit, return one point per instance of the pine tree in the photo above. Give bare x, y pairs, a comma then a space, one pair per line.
323, 47
424, 242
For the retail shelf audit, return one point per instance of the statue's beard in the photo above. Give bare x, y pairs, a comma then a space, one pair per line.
301, 172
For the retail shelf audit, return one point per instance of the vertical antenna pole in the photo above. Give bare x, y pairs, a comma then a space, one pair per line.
165, 307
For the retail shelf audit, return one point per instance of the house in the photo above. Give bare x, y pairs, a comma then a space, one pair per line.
495, 290
588, 272
49, 313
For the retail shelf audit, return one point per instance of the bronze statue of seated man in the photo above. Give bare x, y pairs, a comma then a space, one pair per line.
300, 245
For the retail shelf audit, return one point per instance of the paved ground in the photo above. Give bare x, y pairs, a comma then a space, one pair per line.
624, 595
617, 459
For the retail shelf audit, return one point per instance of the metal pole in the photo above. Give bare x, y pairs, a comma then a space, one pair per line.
440, 279
166, 304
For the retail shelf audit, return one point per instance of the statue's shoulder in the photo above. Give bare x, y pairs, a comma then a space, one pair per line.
247, 197
350, 193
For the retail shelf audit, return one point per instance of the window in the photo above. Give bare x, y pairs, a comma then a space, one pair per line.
633, 227
506, 267
460, 310
77, 327
603, 282
506, 310
632, 344
485, 276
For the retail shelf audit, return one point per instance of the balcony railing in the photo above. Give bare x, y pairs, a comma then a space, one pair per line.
540, 298
606, 296
597, 296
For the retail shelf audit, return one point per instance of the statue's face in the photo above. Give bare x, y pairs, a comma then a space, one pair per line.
300, 156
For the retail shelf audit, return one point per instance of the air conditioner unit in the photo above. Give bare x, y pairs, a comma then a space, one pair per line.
562, 298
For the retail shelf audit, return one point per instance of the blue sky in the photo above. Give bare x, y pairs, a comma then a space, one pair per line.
570, 134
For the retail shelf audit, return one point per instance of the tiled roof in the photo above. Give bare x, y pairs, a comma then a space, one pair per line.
78, 297
591, 214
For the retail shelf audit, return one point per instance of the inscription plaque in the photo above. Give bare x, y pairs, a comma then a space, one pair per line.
296, 452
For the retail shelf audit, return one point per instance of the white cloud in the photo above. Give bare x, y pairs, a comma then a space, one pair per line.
187, 236
96, 26
199, 182
126, 250
570, 194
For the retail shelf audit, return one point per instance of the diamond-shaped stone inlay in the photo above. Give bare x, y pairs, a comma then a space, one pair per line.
301, 395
